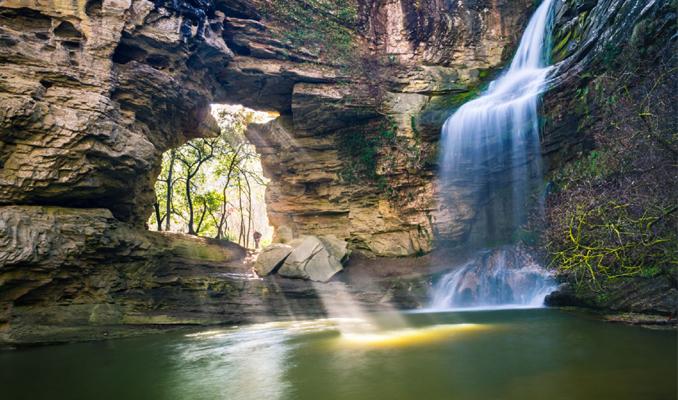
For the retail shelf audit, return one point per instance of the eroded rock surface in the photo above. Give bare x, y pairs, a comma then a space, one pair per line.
93, 93
80, 274
314, 258
271, 258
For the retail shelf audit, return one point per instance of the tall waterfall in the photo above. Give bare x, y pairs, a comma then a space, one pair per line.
491, 156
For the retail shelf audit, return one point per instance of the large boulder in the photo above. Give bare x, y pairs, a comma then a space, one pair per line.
271, 257
335, 246
314, 258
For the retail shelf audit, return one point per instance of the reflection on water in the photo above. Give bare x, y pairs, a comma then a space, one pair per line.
408, 336
237, 364
514, 354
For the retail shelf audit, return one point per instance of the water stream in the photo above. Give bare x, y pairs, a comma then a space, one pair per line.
491, 148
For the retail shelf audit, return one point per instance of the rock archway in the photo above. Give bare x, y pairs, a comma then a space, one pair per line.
94, 93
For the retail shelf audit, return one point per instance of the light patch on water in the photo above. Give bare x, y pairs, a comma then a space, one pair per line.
290, 327
475, 309
408, 337
236, 364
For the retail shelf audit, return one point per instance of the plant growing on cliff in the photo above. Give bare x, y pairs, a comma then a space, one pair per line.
360, 151
615, 240
614, 211
327, 26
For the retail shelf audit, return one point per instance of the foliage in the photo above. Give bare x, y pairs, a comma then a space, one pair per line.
592, 168
362, 152
325, 25
613, 213
211, 186
612, 240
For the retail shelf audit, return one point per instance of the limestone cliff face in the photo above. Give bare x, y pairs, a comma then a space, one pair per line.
415, 63
587, 35
612, 60
94, 92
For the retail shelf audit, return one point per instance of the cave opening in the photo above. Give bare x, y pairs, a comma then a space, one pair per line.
215, 187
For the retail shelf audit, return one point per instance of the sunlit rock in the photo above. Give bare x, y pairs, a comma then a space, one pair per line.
336, 247
271, 257
284, 234
314, 258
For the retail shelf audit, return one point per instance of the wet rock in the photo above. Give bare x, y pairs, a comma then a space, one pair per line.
652, 295
271, 258
314, 259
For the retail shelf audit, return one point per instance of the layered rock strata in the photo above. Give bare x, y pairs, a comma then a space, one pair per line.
94, 92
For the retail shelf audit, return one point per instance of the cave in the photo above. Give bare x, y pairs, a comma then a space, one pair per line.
96, 96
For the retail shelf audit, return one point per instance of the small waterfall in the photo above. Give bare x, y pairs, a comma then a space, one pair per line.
502, 277
491, 156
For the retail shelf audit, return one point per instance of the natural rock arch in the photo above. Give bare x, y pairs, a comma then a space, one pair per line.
120, 88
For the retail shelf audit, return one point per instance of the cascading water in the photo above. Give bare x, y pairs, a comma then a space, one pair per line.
491, 150
504, 277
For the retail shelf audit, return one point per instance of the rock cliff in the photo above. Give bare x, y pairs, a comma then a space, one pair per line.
93, 92
610, 145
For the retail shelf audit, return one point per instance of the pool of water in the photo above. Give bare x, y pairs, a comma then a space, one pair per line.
505, 354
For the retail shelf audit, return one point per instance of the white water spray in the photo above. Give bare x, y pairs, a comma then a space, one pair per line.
491, 145
504, 277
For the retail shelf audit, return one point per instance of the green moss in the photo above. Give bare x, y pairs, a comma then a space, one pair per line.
614, 240
441, 107
561, 45
565, 39
361, 152
325, 27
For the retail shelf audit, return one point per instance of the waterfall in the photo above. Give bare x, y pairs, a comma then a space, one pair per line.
491, 159
502, 277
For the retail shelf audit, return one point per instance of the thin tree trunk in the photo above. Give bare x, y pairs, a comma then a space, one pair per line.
158, 221
222, 222
202, 218
189, 201
170, 188
249, 210
241, 238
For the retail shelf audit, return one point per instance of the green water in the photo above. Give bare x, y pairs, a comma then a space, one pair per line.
519, 354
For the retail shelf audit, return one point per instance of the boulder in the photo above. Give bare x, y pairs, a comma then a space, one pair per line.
314, 258
271, 257
336, 247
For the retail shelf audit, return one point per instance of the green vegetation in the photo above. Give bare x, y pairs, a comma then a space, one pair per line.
210, 187
361, 151
323, 26
566, 41
441, 107
611, 240
613, 213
